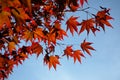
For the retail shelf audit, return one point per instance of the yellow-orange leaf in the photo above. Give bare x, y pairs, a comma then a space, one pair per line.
54, 60
4, 19
20, 16
51, 61
38, 34
27, 35
51, 37
11, 46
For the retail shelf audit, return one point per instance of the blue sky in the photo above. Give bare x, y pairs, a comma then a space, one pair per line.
104, 64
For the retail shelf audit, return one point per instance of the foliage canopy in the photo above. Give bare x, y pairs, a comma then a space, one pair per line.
39, 23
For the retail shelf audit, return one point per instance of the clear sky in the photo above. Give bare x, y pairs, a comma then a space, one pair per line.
103, 65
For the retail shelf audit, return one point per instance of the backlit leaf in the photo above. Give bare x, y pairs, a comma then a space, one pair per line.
36, 48
72, 24
4, 19
86, 47
88, 25
77, 54
102, 18
51, 61
68, 52
11, 46
27, 35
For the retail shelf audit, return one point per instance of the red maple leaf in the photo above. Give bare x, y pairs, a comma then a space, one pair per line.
51, 61
102, 18
77, 54
72, 24
68, 51
36, 48
88, 25
86, 46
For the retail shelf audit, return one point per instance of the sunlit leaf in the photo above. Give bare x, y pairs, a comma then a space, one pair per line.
102, 18
11, 46
36, 48
27, 35
72, 24
77, 54
4, 19
88, 25
86, 46
68, 51
51, 61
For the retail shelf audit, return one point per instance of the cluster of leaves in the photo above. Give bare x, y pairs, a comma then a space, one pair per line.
39, 21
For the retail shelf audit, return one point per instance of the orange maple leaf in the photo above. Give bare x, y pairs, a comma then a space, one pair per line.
68, 52
102, 18
88, 25
60, 33
72, 24
51, 61
86, 46
36, 48
27, 35
51, 37
38, 34
4, 19
20, 16
22, 56
77, 54
11, 46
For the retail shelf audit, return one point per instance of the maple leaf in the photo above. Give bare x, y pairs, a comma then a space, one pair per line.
20, 16
88, 25
60, 33
11, 46
86, 46
4, 19
36, 48
27, 35
16, 40
77, 54
51, 37
72, 24
68, 52
102, 18
38, 34
82, 2
51, 61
